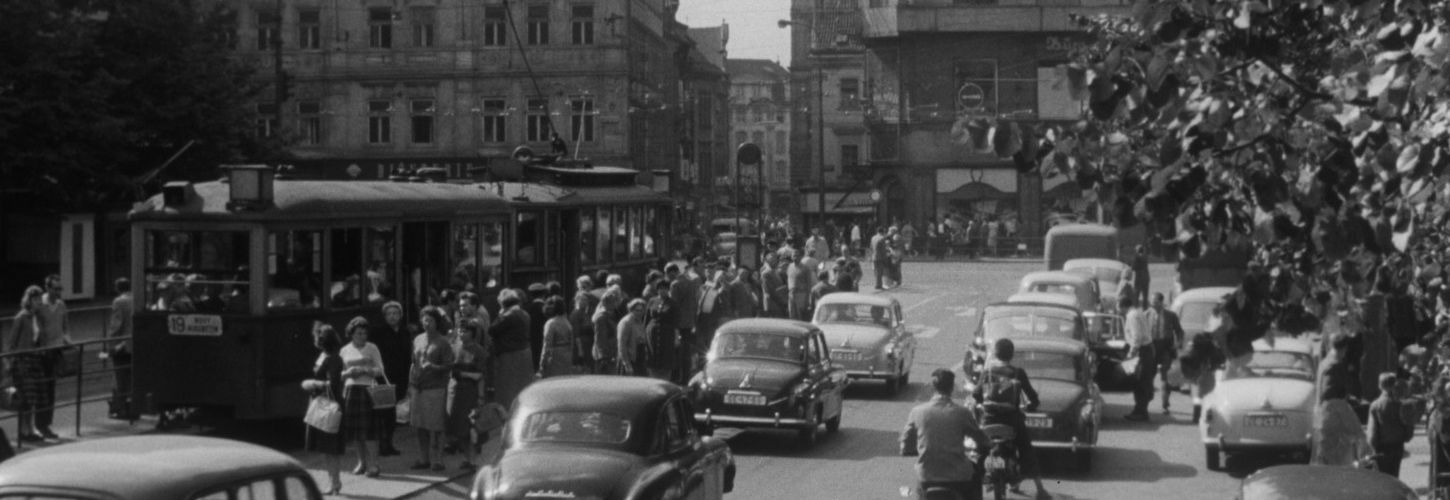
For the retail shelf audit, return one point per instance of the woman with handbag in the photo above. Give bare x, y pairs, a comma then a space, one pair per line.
558, 356
468, 369
360, 422
432, 362
326, 383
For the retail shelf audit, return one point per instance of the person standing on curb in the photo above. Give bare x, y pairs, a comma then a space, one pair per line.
119, 353
1140, 274
1137, 330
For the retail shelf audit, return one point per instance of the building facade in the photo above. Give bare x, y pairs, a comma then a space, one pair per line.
373, 86
760, 114
705, 141
932, 64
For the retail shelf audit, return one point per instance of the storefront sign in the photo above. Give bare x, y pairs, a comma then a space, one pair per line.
198, 325
1061, 45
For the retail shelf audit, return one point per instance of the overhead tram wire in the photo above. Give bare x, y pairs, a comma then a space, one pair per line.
508, 10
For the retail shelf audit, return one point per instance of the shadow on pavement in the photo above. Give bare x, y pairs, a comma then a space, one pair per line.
1128, 465
877, 390
849, 444
1114, 413
1241, 465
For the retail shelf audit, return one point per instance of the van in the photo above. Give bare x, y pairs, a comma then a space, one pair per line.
1077, 241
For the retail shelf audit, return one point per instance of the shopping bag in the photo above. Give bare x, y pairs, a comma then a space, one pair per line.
383, 395
324, 414
403, 411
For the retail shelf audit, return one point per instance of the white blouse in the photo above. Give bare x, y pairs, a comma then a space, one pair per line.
366, 357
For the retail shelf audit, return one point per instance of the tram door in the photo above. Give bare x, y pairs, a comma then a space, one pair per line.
424, 270
569, 249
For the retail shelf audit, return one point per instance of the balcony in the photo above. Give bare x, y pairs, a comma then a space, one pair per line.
892, 18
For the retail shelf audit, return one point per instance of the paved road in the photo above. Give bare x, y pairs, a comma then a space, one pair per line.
1158, 459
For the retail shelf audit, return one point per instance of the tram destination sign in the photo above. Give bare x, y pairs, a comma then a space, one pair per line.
198, 325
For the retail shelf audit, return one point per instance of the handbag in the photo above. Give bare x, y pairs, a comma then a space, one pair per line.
383, 395
489, 416
323, 413
403, 411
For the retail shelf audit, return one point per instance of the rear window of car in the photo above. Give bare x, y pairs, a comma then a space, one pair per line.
1103, 274
1277, 364
854, 313
1195, 315
1030, 325
576, 427
1047, 365
1053, 288
761, 345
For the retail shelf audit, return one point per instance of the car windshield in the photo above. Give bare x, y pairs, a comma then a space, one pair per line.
1102, 274
1053, 288
854, 313
575, 427
1277, 364
758, 345
1029, 324
1195, 315
1047, 365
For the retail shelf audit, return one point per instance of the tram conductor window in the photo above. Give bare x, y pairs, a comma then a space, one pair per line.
294, 270
196, 272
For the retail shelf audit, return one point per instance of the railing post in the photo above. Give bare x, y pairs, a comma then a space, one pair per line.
80, 383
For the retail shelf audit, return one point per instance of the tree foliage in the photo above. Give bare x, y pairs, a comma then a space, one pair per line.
96, 94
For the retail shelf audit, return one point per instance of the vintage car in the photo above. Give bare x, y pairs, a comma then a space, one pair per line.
1195, 308
1104, 332
867, 335
770, 373
605, 437
1107, 272
1322, 482
156, 467
1083, 289
1021, 320
1070, 409
1269, 408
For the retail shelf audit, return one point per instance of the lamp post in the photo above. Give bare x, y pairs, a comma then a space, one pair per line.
820, 121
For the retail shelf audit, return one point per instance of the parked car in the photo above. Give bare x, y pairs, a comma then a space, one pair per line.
1022, 320
1071, 405
1104, 333
770, 373
867, 336
1195, 308
1267, 409
1107, 272
156, 467
1083, 289
605, 437
1322, 482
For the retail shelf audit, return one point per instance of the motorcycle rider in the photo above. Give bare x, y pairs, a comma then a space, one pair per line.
935, 433
1001, 393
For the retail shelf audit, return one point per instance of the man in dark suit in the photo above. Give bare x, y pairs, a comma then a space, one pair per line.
1167, 336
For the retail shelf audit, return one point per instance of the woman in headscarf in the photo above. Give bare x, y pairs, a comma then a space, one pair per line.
558, 356
606, 346
633, 343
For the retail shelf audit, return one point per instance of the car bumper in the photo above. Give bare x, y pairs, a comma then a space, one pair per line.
775, 420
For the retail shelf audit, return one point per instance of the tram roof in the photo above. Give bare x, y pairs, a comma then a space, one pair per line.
540, 193
316, 199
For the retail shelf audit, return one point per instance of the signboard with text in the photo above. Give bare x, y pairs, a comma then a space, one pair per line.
197, 325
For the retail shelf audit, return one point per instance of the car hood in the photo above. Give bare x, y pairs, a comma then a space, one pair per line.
584, 472
854, 336
761, 375
1057, 395
1255, 393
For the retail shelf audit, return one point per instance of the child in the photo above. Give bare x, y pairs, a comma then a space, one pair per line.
1389, 426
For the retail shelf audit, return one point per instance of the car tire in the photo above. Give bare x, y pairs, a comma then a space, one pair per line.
1211, 458
833, 425
807, 435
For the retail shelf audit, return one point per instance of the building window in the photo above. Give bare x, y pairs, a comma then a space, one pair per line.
380, 28
423, 19
495, 120
850, 93
538, 123
583, 25
380, 122
268, 22
309, 29
422, 121
850, 155
977, 85
538, 25
309, 122
495, 26
266, 120
581, 117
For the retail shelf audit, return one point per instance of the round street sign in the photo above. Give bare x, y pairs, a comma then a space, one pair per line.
747, 154
970, 97
875, 195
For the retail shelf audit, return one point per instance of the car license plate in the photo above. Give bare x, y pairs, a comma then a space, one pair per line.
1039, 422
744, 398
1266, 420
843, 355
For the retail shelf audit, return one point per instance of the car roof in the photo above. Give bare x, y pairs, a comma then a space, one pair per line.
1205, 294
1286, 344
1053, 306
628, 395
1054, 277
1087, 262
151, 467
1095, 229
1060, 299
1055, 345
784, 327
857, 298
1325, 482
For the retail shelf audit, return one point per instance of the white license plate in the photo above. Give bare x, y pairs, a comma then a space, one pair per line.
1266, 420
1039, 422
744, 398
846, 355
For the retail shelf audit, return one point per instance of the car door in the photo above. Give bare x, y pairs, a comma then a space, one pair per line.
709, 461
832, 379
906, 341
681, 449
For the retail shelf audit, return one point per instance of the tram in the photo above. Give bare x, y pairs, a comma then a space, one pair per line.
234, 272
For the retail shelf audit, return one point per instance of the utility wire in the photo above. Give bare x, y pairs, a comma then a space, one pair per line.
538, 90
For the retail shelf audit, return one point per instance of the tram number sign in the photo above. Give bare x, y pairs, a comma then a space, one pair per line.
971, 97
199, 325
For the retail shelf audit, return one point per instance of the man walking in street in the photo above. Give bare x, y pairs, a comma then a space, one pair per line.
799, 280
1140, 274
1137, 329
880, 255
686, 294
816, 246
772, 288
935, 433
1167, 336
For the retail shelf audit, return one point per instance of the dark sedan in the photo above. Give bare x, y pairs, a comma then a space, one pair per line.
604, 438
770, 373
1070, 409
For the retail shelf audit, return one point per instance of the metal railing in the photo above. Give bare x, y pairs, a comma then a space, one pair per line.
90, 369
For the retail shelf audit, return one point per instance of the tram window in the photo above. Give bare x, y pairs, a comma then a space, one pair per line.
529, 232
349, 287
465, 257
621, 233
294, 269
587, 248
197, 271
635, 232
651, 231
552, 241
605, 233
378, 253
492, 254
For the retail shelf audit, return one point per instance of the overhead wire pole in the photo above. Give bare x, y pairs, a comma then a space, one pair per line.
508, 11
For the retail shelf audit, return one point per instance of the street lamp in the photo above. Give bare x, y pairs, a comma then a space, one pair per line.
820, 121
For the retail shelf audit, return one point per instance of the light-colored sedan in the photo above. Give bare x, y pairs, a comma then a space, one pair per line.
1268, 408
1195, 308
1107, 272
868, 336
1083, 289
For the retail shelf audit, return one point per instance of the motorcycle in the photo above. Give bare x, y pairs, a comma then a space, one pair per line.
1001, 464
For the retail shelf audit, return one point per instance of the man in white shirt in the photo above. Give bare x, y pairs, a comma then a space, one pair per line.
1137, 330
816, 246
